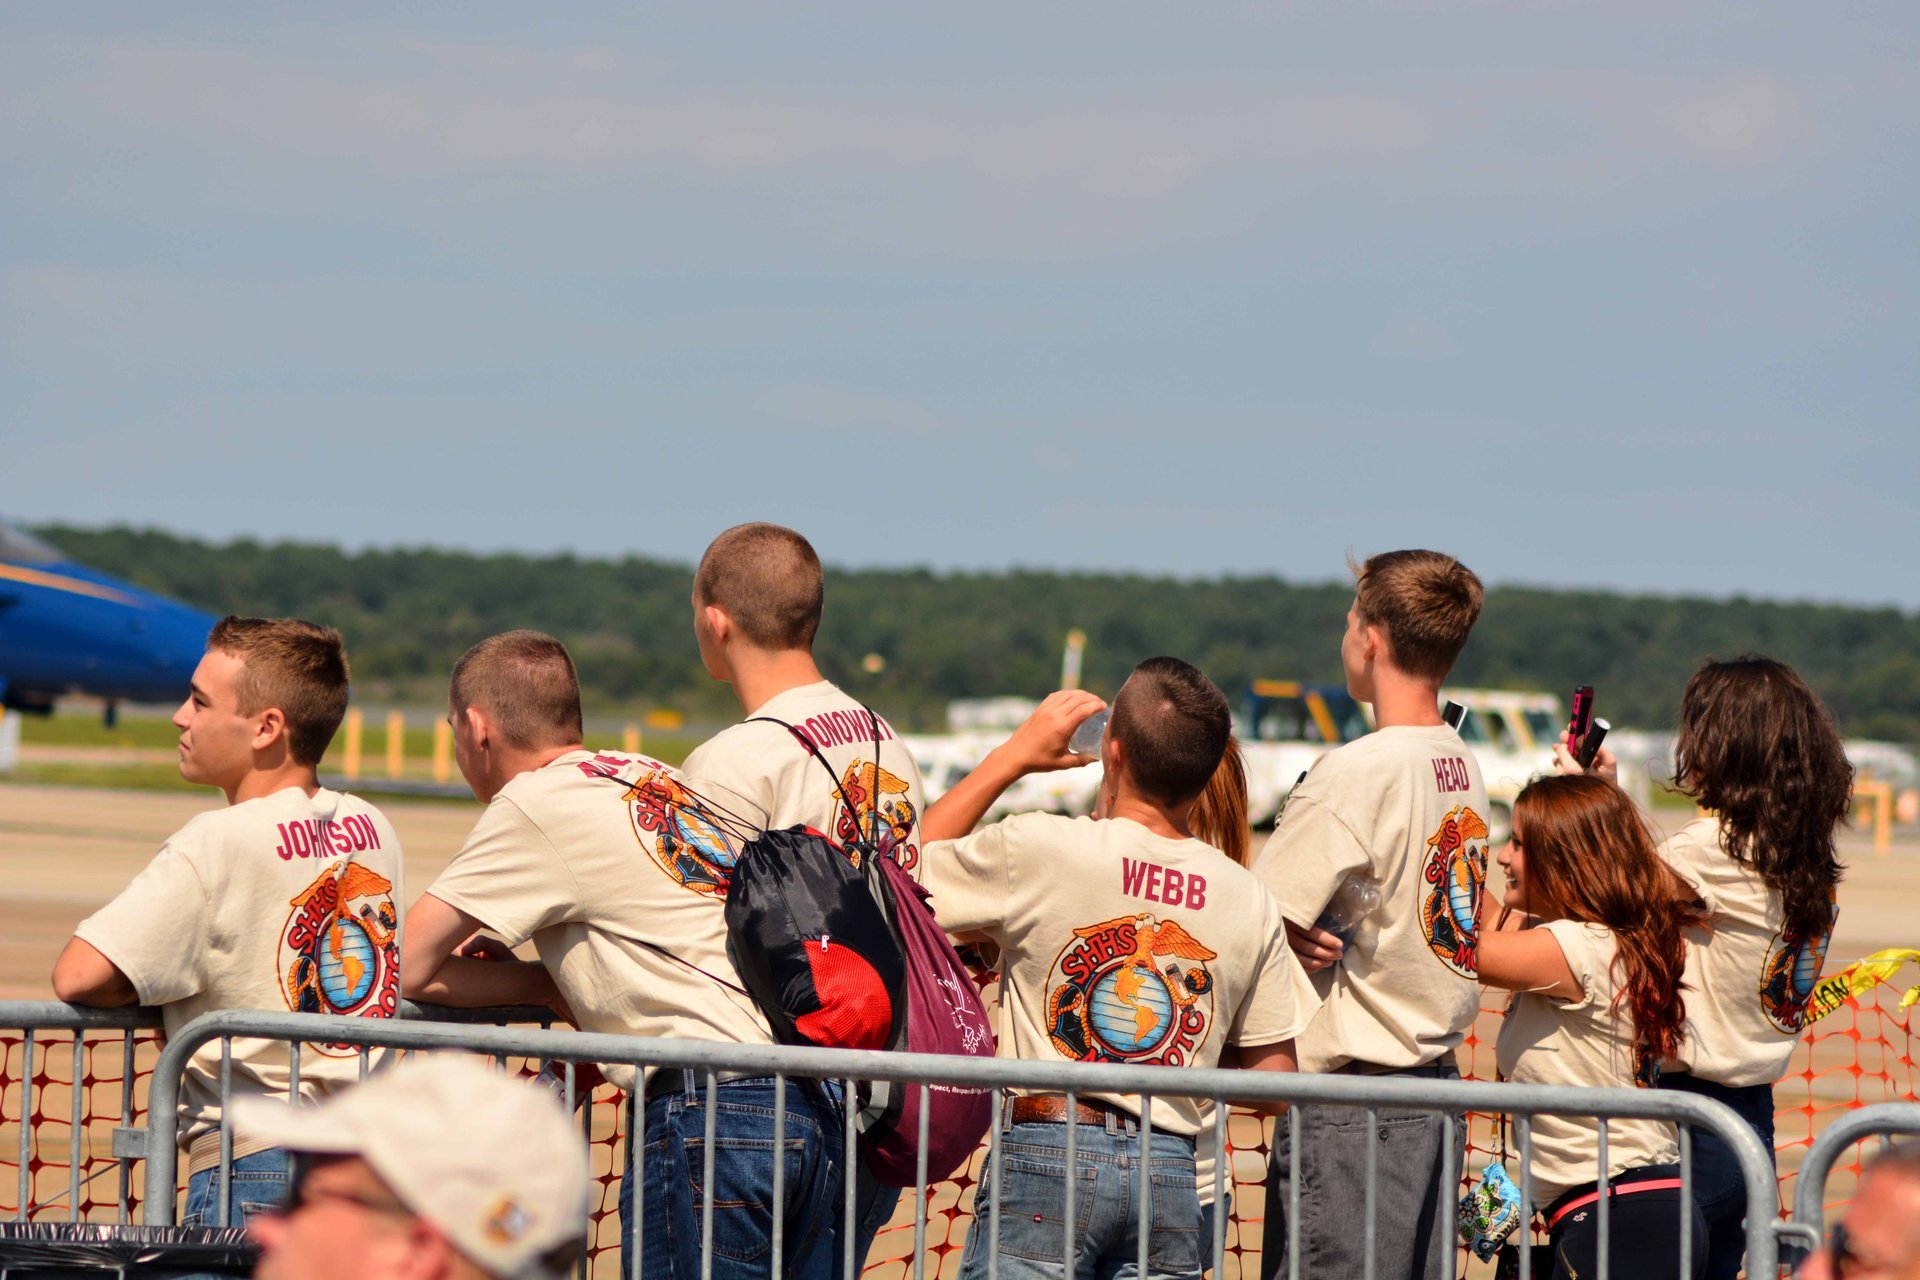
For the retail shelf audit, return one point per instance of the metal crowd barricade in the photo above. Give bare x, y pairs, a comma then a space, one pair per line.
1883, 1120
709, 1061
34, 1017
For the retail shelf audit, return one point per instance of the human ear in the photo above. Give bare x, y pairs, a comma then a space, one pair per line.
270, 726
719, 625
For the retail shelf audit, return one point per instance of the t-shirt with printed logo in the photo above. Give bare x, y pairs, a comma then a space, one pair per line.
287, 903
1405, 806
1120, 945
617, 873
1747, 978
1588, 1042
761, 775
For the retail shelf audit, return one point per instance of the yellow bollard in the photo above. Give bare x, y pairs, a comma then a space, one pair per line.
396, 743
1880, 795
630, 740
442, 752
356, 725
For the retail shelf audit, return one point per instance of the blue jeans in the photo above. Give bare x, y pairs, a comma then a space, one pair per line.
1718, 1187
1107, 1212
673, 1158
259, 1183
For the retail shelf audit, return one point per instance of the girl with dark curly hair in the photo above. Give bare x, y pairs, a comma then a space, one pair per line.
1761, 755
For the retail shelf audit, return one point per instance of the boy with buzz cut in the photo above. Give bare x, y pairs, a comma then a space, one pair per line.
1405, 807
284, 900
1125, 940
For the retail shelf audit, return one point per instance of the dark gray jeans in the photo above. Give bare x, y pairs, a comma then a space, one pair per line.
1413, 1232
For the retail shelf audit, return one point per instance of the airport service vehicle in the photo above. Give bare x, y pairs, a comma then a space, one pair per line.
65, 628
1511, 734
1284, 726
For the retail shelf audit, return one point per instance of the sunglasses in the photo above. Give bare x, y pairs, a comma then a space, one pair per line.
302, 1194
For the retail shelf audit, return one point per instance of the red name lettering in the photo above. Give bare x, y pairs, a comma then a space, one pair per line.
1162, 884
1450, 774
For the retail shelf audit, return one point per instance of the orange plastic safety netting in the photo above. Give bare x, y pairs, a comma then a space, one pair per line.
1859, 1055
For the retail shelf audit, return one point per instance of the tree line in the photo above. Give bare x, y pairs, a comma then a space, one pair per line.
910, 640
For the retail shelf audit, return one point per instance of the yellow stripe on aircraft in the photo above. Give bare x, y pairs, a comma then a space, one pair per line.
56, 582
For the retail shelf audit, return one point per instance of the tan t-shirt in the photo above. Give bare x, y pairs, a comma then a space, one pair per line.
1544, 1040
1119, 945
1404, 805
762, 774
285, 903
1747, 983
611, 867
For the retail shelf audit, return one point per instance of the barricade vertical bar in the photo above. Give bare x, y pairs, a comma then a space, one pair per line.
1603, 1206
1523, 1135
920, 1187
566, 1085
580, 1265
126, 1118
26, 1123
636, 1175
1293, 1193
779, 1201
226, 1131
993, 1201
1686, 1198
1449, 1174
1219, 1187
1370, 1216
847, 1170
366, 1066
79, 1119
293, 1073
1073, 1172
706, 1178
1146, 1180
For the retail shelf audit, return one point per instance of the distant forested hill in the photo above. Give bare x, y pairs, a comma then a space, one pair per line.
407, 614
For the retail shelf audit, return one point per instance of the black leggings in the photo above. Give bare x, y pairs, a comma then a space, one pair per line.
1643, 1233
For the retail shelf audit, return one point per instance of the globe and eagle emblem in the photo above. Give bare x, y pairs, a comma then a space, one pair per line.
1454, 874
1133, 989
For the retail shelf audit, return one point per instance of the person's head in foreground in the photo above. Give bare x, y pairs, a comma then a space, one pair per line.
436, 1168
267, 698
1581, 851
1880, 1235
1412, 612
1169, 728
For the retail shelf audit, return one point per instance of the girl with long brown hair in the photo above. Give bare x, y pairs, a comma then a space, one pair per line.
1591, 945
1760, 754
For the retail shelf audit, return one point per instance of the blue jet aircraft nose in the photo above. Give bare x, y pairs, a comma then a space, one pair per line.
176, 638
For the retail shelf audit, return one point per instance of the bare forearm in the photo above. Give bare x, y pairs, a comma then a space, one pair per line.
466, 983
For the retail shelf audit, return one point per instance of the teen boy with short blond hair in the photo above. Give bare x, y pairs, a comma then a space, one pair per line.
1404, 806
284, 900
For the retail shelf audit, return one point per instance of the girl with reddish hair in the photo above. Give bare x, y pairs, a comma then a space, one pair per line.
1591, 944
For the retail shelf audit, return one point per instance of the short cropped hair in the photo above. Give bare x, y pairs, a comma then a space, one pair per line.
1172, 724
768, 579
524, 681
1427, 602
299, 667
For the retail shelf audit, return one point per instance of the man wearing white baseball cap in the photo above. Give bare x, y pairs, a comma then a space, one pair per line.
438, 1169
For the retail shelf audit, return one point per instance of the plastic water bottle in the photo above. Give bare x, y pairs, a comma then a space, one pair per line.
1087, 739
1351, 904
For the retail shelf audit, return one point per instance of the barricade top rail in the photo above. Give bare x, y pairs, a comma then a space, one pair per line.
53, 1015
1809, 1193
709, 1058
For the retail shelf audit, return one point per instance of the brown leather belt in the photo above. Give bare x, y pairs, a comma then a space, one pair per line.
1053, 1110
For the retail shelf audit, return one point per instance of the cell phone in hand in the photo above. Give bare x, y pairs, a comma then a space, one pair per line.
1582, 718
1589, 746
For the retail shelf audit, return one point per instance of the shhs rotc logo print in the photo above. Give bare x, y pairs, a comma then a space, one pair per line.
871, 788
1135, 989
337, 949
680, 835
1455, 872
1788, 977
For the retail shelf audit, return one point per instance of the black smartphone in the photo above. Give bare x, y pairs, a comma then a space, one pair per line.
1582, 718
1590, 745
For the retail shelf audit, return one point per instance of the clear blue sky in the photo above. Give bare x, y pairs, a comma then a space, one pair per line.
1617, 295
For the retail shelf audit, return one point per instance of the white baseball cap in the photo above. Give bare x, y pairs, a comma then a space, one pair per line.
491, 1161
